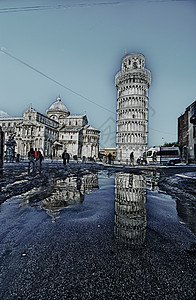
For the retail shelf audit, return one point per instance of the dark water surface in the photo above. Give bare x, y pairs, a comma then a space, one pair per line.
96, 236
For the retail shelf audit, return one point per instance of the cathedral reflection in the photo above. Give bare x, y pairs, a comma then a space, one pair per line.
69, 191
130, 212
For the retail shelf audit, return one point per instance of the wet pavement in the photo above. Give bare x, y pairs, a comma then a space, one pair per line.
97, 232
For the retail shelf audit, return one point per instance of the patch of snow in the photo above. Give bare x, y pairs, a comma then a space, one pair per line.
190, 175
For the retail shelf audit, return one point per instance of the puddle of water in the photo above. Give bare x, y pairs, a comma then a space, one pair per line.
120, 198
74, 232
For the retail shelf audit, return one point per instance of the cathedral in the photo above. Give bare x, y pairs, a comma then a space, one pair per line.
52, 133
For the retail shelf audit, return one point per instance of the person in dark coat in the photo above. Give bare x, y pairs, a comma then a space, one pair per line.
64, 157
17, 157
109, 158
132, 159
40, 158
68, 157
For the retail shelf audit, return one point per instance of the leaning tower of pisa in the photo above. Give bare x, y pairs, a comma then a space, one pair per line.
132, 84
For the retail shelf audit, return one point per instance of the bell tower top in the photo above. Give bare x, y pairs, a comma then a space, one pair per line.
133, 68
133, 61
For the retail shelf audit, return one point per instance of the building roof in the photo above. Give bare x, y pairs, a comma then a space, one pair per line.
134, 55
76, 116
70, 129
193, 103
11, 118
58, 106
26, 123
88, 127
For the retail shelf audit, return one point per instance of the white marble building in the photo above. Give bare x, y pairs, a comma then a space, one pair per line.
132, 84
52, 133
74, 132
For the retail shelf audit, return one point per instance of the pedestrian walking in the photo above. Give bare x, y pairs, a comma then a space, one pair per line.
64, 157
40, 158
68, 157
31, 157
109, 158
154, 157
131, 159
36, 154
17, 157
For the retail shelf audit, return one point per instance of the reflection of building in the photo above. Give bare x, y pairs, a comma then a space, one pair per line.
89, 183
130, 212
132, 84
186, 211
69, 191
187, 132
152, 181
52, 133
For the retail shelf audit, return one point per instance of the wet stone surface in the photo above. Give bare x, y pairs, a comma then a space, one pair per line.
85, 232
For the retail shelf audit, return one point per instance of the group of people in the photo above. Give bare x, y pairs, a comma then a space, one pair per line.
35, 157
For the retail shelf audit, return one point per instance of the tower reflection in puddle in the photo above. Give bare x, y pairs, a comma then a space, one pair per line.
130, 211
69, 191
152, 179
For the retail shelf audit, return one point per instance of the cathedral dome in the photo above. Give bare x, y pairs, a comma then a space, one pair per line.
58, 106
57, 111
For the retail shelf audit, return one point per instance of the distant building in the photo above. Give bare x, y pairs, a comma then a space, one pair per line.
187, 133
132, 84
1, 149
106, 151
53, 132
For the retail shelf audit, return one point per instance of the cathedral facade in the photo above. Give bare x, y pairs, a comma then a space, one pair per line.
132, 83
52, 133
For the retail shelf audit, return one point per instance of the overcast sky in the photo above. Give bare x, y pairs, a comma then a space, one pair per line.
74, 49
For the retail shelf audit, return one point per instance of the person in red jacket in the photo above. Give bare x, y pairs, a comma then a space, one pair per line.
36, 154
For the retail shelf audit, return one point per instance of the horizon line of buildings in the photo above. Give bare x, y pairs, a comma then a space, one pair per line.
58, 130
